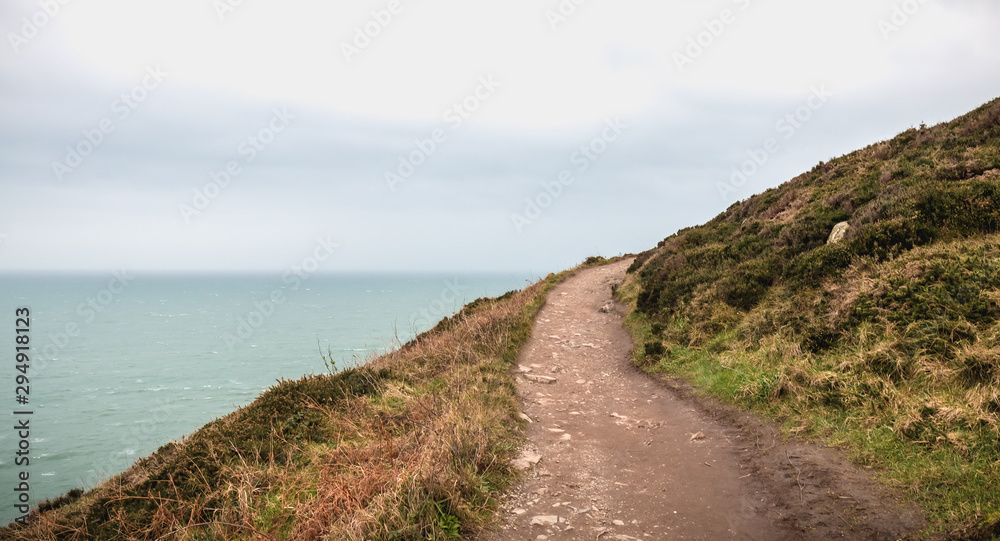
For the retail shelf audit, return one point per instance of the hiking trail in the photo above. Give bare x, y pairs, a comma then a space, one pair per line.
616, 454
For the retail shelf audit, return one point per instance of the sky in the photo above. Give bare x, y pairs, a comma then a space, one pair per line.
441, 135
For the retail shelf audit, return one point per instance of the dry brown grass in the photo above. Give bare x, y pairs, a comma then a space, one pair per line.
415, 444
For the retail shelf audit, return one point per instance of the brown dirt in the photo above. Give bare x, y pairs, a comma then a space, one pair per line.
614, 453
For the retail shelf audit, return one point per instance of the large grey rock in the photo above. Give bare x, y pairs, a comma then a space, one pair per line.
839, 232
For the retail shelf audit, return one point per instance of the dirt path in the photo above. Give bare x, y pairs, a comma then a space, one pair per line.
615, 454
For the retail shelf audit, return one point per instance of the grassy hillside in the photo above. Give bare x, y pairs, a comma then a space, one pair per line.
415, 444
887, 342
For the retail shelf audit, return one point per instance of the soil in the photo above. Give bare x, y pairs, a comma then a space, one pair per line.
616, 454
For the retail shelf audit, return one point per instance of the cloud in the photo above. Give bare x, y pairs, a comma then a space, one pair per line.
325, 172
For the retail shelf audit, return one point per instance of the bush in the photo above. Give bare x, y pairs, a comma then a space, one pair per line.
654, 349
747, 284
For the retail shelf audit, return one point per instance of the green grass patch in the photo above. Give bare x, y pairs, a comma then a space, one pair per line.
886, 343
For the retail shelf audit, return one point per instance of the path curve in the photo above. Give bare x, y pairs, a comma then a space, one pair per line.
615, 454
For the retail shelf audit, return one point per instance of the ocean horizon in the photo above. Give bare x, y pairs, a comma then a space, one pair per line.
122, 363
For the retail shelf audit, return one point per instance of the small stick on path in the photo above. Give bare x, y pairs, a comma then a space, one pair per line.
798, 475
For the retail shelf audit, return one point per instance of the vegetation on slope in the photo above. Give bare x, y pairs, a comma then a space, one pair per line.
887, 342
415, 444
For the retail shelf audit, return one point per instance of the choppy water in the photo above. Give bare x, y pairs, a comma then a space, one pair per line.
122, 366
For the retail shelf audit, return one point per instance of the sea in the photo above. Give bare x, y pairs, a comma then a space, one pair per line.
122, 363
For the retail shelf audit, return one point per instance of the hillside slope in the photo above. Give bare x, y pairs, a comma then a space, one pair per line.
415, 444
886, 342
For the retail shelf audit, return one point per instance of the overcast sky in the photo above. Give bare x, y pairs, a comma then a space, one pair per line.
338, 121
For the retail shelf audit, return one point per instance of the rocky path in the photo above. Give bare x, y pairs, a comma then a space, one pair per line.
614, 454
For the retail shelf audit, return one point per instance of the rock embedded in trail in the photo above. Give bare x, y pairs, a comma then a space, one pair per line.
527, 459
546, 380
545, 520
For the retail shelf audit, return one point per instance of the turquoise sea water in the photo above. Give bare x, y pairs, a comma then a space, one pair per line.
124, 363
